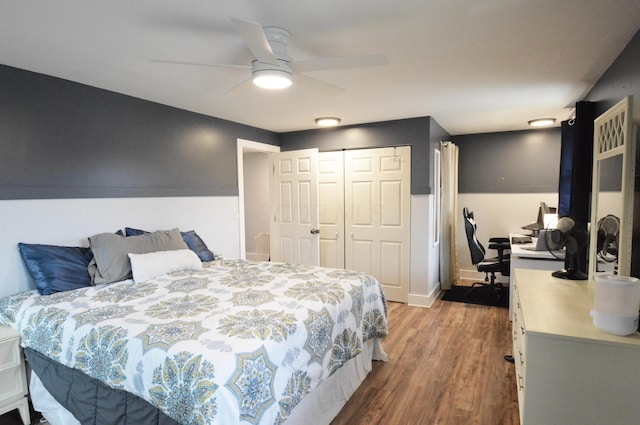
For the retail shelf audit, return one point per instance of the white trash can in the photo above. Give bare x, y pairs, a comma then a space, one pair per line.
616, 304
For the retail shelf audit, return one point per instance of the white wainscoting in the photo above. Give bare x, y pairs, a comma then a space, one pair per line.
70, 221
496, 214
425, 255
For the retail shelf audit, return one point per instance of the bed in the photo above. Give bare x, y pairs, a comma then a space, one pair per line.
225, 342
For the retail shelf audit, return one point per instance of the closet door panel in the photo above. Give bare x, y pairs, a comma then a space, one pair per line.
363, 255
331, 209
391, 203
361, 202
391, 264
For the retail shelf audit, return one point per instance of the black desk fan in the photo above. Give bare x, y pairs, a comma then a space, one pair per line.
608, 229
574, 240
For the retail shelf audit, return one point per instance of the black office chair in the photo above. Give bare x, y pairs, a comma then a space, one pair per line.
489, 266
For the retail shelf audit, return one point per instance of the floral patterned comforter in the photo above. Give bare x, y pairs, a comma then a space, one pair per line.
238, 342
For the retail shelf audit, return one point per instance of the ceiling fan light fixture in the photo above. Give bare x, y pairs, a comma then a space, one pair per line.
272, 79
327, 121
542, 122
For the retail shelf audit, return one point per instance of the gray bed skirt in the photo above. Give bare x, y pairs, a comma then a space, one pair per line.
91, 401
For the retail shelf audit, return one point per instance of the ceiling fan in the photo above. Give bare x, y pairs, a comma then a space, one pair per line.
273, 68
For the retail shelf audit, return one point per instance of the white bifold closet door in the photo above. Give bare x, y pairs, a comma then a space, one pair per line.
365, 213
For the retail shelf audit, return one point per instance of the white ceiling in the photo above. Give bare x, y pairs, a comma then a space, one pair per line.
474, 65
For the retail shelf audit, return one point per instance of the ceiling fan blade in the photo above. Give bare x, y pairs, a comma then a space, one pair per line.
256, 40
325, 64
315, 84
219, 65
242, 86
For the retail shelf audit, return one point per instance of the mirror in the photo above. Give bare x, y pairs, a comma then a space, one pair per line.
612, 192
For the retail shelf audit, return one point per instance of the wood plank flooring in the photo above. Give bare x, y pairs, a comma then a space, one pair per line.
445, 367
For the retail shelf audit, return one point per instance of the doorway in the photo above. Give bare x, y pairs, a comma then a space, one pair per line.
364, 210
253, 189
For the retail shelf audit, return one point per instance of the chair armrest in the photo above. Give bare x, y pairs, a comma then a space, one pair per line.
499, 240
500, 246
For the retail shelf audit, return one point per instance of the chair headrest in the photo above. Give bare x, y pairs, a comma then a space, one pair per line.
475, 247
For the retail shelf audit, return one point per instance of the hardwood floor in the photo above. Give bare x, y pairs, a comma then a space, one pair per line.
445, 367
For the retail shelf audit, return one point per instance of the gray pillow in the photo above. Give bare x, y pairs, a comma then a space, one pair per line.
110, 252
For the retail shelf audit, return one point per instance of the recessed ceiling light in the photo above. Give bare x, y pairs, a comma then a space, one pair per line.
327, 121
271, 79
542, 122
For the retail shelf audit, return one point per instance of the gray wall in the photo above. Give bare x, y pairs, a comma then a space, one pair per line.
422, 134
620, 80
60, 139
509, 162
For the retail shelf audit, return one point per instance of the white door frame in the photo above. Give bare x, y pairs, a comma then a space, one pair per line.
243, 146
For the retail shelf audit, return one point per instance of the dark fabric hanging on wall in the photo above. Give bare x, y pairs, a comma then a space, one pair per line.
576, 163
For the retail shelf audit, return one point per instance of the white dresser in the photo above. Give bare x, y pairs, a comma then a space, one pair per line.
567, 370
13, 382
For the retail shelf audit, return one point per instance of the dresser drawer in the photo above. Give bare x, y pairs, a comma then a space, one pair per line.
9, 353
13, 380
14, 384
519, 352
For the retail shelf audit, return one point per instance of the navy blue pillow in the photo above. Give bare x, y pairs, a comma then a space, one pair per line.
197, 245
129, 231
56, 268
191, 238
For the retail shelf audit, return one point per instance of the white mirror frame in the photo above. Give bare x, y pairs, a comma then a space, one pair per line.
614, 135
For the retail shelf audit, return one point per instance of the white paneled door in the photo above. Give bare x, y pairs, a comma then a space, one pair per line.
331, 195
294, 195
378, 215
365, 214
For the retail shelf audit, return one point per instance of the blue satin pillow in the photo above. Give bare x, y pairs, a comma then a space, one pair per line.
56, 268
197, 245
191, 238
129, 231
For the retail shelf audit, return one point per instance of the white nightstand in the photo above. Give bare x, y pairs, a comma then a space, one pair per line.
13, 379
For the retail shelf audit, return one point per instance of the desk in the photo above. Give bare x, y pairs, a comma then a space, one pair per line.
526, 259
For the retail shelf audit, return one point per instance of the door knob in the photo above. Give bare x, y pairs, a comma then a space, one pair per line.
315, 231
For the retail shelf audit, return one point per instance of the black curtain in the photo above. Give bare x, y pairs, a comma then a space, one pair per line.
576, 160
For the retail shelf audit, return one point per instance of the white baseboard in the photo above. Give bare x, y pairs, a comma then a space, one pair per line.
257, 256
425, 301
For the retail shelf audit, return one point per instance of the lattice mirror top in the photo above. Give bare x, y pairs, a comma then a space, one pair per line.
612, 132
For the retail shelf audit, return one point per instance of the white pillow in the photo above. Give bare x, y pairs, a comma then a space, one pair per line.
147, 266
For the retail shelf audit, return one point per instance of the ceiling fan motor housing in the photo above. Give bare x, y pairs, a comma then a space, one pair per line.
278, 40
